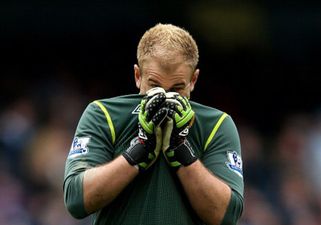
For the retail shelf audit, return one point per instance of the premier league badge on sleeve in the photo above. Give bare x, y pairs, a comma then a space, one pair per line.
79, 147
235, 163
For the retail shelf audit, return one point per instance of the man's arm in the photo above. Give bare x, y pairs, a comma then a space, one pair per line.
103, 184
208, 195
87, 187
214, 201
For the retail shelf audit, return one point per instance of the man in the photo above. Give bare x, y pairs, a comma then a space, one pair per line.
155, 157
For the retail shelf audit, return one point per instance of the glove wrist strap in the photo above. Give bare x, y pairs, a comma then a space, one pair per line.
135, 154
185, 153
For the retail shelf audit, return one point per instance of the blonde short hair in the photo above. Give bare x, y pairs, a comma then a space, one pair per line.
166, 41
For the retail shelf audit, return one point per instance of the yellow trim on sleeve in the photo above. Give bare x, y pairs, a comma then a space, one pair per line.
217, 125
108, 119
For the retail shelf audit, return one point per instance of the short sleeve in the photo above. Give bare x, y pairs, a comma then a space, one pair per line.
223, 156
91, 146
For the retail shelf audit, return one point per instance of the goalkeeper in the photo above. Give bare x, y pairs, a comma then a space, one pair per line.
156, 157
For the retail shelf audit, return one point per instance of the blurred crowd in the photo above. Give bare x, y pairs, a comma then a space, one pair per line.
35, 137
282, 171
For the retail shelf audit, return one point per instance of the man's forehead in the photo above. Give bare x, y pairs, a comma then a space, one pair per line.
175, 66
164, 61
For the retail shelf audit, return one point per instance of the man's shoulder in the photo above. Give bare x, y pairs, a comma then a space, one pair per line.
121, 99
118, 105
205, 111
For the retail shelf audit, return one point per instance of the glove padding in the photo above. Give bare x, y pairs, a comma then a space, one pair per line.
144, 149
175, 147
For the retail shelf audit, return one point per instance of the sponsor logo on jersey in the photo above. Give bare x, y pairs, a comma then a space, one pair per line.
136, 110
79, 147
235, 163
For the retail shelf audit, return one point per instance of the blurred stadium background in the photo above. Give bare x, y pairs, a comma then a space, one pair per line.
259, 62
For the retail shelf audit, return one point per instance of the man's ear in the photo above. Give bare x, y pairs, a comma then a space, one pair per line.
194, 79
138, 76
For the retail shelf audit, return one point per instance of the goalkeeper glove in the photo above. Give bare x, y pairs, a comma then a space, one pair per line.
145, 148
175, 147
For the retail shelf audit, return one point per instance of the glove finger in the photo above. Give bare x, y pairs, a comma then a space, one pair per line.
171, 95
171, 114
160, 116
153, 105
182, 102
176, 103
153, 91
149, 94
172, 101
171, 104
186, 101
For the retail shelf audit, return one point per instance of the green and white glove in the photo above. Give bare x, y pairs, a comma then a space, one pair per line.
177, 150
145, 148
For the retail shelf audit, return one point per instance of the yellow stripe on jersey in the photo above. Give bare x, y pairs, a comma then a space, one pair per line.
217, 125
109, 121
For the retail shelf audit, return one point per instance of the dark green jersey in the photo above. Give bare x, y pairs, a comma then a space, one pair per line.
155, 196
